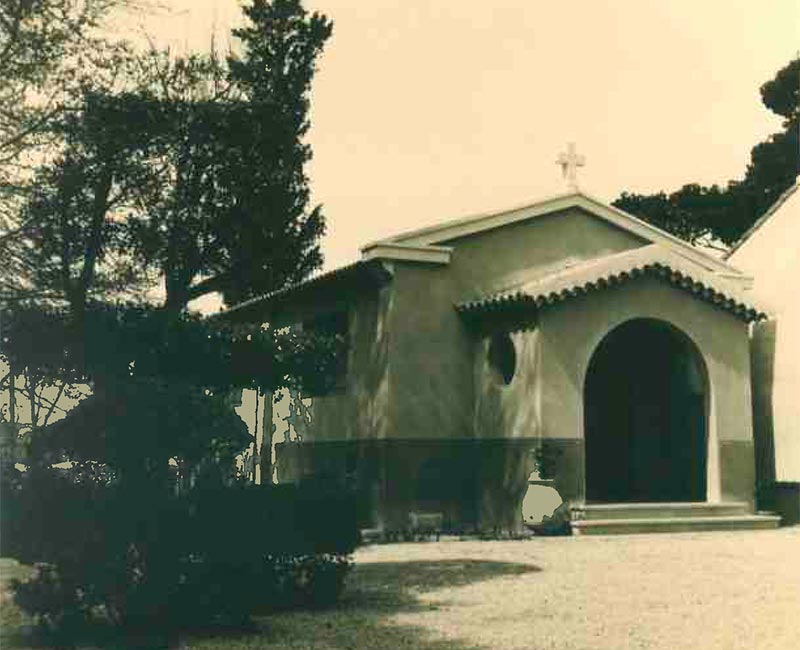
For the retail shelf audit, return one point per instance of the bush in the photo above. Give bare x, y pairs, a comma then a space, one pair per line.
146, 559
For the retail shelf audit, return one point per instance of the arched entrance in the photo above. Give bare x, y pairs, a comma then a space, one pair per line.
645, 416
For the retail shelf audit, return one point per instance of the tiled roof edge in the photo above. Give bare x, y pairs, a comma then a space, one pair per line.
675, 277
296, 286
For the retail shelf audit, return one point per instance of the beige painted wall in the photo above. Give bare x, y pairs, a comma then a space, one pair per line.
571, 332
361, 410
432, 351
418, 372
772, 256
408, 343
511, 410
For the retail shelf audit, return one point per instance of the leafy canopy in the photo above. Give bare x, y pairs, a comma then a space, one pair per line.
701, 214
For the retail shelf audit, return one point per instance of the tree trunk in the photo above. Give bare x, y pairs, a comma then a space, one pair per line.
95, 241
267, 430
8, 431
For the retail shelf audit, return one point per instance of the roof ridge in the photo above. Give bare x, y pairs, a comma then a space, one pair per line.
472, 224
476, 216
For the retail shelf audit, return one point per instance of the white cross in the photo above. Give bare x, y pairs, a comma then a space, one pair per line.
570, 162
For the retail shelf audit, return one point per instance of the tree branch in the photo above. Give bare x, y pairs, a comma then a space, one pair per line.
21, 135
42, 398
13, 34
94, 245
53, 404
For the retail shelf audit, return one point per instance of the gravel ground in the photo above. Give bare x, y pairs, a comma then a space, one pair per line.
703, 591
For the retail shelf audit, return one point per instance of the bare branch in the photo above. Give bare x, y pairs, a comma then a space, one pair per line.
18, 137
53, 404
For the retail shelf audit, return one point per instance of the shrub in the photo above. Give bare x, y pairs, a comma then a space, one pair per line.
146, 559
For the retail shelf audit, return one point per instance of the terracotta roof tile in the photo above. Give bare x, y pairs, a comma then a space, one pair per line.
654, 261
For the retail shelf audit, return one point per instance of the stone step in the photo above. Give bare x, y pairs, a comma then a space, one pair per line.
673, 524
605, 511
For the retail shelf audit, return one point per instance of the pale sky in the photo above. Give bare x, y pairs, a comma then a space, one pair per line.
431, 110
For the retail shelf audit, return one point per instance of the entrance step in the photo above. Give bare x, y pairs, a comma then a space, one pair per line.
629, 518
661, 510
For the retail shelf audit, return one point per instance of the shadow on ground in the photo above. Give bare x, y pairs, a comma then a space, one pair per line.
375, 592
363, 617
396, 584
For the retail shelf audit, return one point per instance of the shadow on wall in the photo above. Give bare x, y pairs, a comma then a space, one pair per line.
762, 374
780, 497
507, 419
371, 365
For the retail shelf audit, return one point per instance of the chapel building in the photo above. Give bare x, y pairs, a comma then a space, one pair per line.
565, 337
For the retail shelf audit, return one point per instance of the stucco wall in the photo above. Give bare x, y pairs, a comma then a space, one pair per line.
431, 350
499, 258
361, 408
771, 256
408, 343
418, 378
571, 332
510, 410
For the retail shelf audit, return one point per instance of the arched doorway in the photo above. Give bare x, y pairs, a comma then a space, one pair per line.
645, 416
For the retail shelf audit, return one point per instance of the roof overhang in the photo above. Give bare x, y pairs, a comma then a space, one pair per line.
325, 288
596, 275
407, 253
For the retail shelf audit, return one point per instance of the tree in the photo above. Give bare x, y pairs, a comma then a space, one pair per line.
707, 214
49, 51
236, 218
191, 174
69, 244
273, 238
156, 176
196, 168
38, 40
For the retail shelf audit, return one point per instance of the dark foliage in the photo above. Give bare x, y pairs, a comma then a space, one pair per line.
191, 169
146, 342
272, 237
138, 558
192, 175
698, 213
141, 532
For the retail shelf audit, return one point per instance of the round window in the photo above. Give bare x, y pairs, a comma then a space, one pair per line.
503, 356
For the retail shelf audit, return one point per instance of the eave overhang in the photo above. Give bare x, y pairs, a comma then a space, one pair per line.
650, 261
407, 253
337, 282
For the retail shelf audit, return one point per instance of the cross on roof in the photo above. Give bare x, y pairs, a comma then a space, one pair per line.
570, 162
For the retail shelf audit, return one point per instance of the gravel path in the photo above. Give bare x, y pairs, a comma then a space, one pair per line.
702, 591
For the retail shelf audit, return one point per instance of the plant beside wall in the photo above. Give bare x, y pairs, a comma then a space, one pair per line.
147, 531
546, 459
163, 179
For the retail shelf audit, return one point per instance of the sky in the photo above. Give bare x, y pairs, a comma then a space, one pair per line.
429, 110
432, 110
